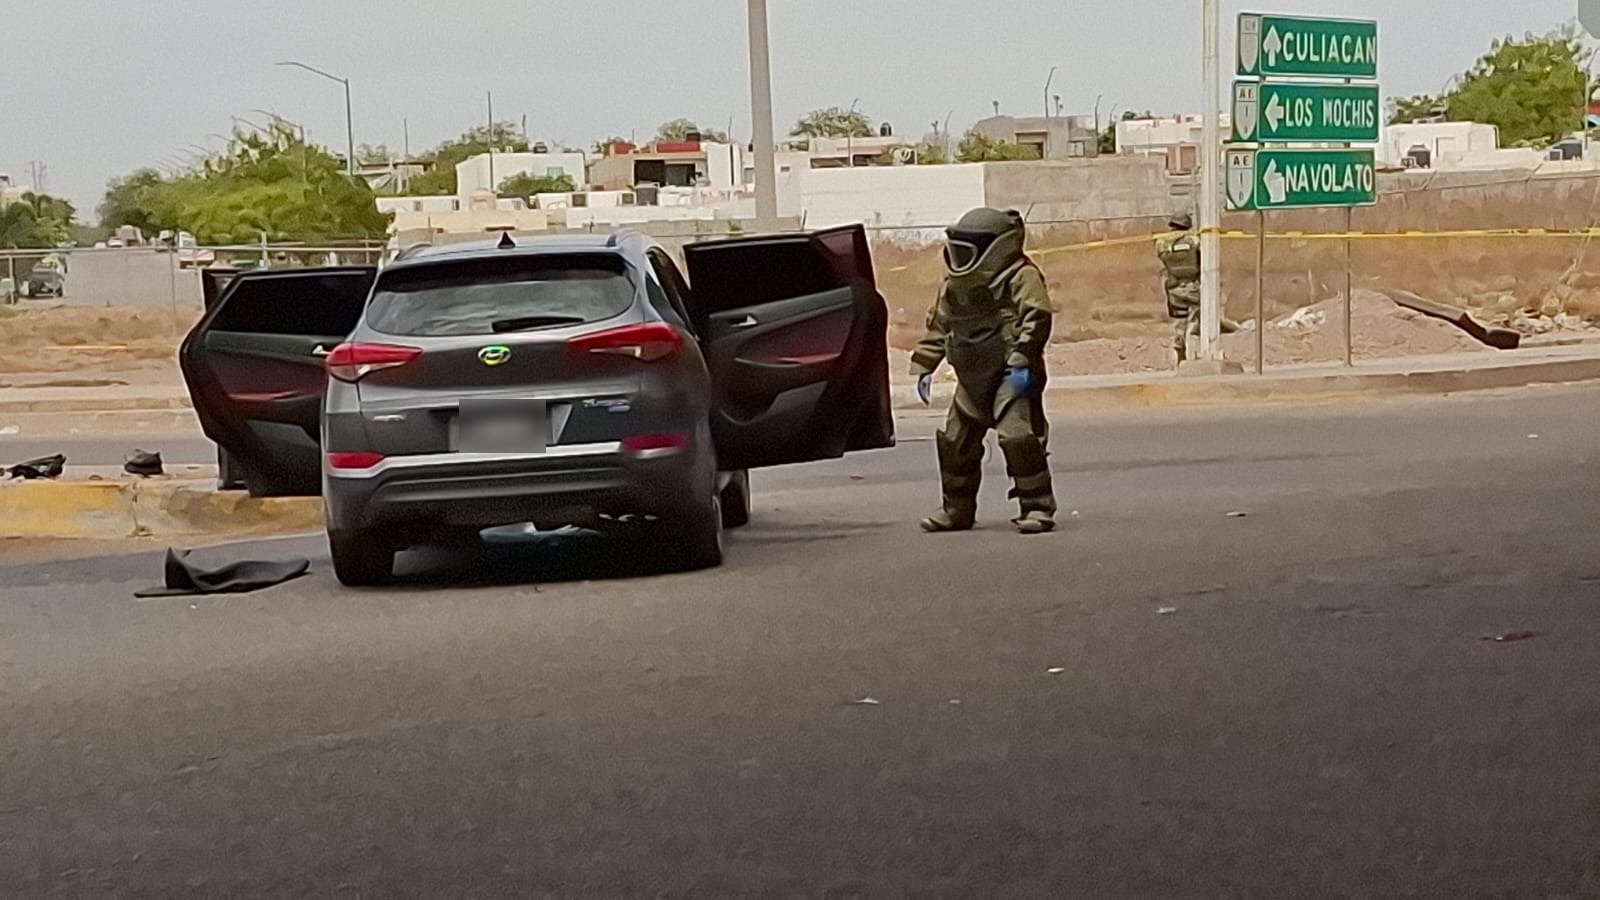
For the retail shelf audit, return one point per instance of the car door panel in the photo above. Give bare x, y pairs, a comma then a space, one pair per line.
795, 336
792, 344
254, 370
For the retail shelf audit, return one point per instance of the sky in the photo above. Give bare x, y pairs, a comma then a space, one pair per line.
94, 89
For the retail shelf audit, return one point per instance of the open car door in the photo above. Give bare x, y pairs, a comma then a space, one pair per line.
795, 335
253, 366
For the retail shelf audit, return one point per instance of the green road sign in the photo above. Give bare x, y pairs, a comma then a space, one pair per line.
1333, 113
1326, 48
1292, 179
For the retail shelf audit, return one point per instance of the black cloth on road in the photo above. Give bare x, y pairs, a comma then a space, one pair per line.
43, 467
143, 462
185, 578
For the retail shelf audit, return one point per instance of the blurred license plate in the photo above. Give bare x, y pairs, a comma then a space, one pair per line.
501, 426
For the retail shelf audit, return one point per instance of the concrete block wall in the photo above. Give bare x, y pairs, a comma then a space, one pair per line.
917, 201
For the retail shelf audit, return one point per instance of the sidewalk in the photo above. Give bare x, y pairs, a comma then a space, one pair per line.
1316, 382
164, 408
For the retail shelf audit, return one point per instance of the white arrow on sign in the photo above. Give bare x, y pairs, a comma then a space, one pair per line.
1277, 186
1275, 112
1273, 46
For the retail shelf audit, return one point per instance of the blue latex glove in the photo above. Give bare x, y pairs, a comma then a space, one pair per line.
925, 390
1021, 380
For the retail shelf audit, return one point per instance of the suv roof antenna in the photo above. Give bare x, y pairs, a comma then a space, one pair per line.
506, 243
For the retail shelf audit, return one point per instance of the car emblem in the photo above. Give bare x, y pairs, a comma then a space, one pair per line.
497, 355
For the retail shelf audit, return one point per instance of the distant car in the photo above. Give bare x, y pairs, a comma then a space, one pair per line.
554, 380
190, 254
115, 244
45, 281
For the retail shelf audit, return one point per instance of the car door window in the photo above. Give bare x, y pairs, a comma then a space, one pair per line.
670, 282
305, 306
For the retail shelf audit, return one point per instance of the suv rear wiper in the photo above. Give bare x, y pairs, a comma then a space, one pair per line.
526, 323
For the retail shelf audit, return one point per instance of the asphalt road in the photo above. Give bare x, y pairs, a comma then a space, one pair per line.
1162, 700
129, 277
176, 449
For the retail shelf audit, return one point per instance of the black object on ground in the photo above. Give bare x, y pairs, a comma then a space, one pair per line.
143, 462
1498, 338
185, 578
43, 467
1510, 637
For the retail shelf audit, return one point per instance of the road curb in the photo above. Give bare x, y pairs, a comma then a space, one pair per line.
1174, 391
134, 508
128, 421
93, 404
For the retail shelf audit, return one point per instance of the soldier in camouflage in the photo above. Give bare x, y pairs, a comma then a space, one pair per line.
1179, 252
992, 322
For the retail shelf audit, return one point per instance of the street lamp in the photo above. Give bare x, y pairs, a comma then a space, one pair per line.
349, 121
1049, 123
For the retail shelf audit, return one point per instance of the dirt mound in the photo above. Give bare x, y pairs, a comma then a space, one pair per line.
76, 339
1382, 329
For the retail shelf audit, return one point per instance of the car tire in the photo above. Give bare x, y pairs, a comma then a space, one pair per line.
736, 500
696, 541
360, 560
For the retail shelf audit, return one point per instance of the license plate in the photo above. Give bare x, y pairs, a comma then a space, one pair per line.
501, 426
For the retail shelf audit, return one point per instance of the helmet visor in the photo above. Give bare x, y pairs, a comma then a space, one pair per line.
964, 249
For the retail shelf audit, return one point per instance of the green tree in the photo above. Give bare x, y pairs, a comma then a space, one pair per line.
369, 154
932, 154
21, 228
130, 200
35, 221
273, 184
1416, 108
525, 185
977, 147
678, 130
1108, 139
504, 137
1533, 90
833, 122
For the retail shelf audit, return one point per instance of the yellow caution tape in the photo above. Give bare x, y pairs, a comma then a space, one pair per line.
1563, 233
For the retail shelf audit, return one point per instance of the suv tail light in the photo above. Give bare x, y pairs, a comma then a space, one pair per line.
648, 342
353, 362
651, 446
360, 459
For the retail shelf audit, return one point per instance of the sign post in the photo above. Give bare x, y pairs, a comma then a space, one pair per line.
1270, 112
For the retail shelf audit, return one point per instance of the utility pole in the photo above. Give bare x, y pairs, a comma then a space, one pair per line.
1049, 123
766, 151
850, 134
490, 97
1210, 193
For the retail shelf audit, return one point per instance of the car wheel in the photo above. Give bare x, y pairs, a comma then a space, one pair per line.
696, 541
359, 560
736, 500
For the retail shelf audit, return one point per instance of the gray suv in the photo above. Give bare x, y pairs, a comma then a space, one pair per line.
552, 379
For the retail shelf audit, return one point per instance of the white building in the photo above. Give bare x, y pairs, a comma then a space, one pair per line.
1176, 139
1442, 145
486, 172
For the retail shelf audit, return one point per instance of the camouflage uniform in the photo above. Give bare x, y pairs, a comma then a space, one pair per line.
991, 317
1180, 257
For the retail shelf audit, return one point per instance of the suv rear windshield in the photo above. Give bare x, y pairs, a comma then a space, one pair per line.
492, 296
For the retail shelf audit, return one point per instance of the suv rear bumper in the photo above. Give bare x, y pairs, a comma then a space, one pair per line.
414, 499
